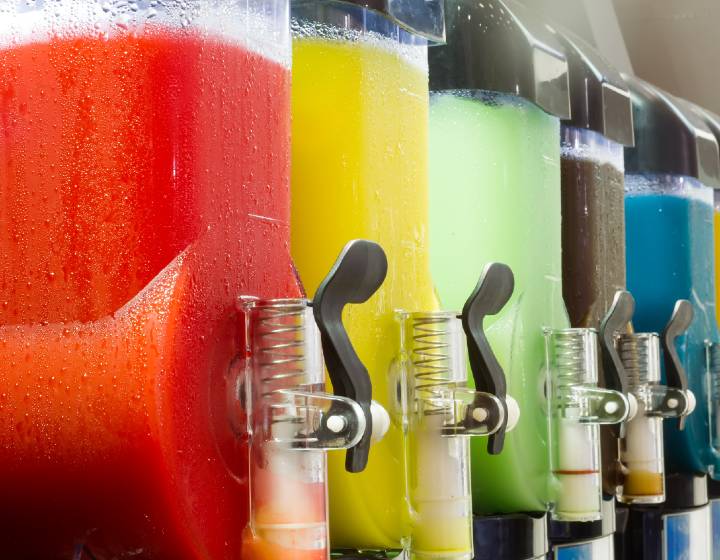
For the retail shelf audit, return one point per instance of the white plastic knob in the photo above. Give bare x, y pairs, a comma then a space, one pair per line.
611, 407
336, 423
380, 421
633, 406
513, 412
480, 414
691, 402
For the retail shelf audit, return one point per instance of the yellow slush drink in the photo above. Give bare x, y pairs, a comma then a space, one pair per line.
360, 112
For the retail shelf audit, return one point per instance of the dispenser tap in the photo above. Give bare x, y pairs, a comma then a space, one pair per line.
577, 409
641, 447
292, 421
492, 292
358, 274
616, 321
441, 412
678, 401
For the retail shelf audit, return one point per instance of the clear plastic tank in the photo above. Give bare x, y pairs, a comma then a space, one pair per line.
670, 256
360, 102
142, 191
495, 196
593, 224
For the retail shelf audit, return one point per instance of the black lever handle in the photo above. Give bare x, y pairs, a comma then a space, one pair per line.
679, 322
615, 377
618, 316
356, 275
492, 292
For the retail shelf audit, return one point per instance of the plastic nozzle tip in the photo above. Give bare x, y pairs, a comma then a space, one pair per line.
691, 402
513, 412
380, 421
632, 406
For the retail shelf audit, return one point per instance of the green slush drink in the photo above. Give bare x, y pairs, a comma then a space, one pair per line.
495, 196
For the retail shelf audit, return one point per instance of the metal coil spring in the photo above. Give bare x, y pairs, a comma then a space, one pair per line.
279, 349
569, 363
431, 357
640, 354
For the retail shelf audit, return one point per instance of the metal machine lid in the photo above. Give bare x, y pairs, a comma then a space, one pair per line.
599, 97
669, 136
501, 46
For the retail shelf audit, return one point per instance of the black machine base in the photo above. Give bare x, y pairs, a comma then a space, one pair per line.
365, 555
510, 537
645, 531
565, 532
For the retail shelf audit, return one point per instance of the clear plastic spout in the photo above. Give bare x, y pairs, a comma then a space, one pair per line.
641, 450
292, 421
441, 412
577, 407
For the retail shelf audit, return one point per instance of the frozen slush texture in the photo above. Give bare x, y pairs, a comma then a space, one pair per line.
360, 171
670, 256
495, 196
142, 189
593, 225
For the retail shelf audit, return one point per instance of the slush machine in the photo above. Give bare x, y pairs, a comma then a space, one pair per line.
499, 89
713, 122
360, 126
669, 215
135, 212
148, 409
593, 255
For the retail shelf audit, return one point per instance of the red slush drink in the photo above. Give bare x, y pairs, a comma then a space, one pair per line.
143, 188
